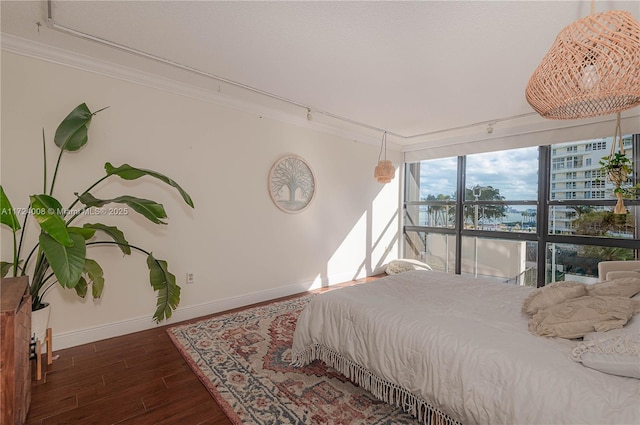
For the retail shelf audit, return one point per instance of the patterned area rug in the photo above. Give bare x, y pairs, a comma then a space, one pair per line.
244, 359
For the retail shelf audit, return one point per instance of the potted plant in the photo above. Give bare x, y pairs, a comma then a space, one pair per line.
618, 169
59, 255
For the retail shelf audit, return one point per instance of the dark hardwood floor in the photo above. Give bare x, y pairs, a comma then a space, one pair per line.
139, 378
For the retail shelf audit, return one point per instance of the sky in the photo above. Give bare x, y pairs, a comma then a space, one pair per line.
513, 172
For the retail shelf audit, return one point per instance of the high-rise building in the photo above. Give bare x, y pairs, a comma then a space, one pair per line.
576, 174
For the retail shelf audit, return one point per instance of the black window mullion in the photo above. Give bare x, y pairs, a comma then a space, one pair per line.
462, 163
542, 225
635, 143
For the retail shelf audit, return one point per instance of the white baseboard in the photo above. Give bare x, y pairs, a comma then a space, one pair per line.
96, 333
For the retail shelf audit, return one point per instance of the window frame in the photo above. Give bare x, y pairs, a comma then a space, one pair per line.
543, 206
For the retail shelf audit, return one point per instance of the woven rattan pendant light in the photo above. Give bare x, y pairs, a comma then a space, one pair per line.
385, 170
592, 69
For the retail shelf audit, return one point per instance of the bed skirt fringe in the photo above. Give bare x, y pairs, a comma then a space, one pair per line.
383, 390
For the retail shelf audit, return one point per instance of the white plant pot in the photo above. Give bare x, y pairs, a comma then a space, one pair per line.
40, 322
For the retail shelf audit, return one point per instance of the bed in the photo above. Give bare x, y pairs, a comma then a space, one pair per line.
454, 349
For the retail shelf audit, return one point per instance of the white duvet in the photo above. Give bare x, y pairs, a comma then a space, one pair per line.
462, 346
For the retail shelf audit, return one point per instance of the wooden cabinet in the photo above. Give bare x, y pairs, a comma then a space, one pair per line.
15, 331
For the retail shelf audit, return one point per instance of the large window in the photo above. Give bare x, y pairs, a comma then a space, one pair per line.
501, 190
431, 197
528, 216
567, 261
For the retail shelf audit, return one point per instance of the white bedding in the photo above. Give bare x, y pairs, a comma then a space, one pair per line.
461, 346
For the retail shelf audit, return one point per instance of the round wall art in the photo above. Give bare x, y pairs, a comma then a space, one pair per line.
291, 184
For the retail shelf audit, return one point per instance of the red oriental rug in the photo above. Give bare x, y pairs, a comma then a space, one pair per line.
243, 359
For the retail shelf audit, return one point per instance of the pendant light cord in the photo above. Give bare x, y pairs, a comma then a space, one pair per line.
383, 145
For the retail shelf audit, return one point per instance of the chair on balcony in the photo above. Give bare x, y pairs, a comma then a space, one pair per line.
608, 270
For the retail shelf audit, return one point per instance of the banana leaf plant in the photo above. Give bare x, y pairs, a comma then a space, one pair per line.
59, 255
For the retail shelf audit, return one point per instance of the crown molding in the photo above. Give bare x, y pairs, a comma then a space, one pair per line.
602, 126
255, 104
63, 57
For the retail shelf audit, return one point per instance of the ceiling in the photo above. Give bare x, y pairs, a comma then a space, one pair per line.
420, 70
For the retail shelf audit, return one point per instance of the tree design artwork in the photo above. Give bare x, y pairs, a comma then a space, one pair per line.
292, 184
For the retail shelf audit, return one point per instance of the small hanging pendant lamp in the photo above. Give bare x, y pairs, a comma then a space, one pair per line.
592, 69
385, 170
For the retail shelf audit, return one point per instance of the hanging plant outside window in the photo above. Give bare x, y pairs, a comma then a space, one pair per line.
618, 168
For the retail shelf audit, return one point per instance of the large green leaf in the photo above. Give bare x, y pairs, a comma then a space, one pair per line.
165, 284
7, 214
115, 234
148, 208
81, 287
47, 211
5, 267
95, 274
91, 201
67, 262
86, 232
71, 134
128, 172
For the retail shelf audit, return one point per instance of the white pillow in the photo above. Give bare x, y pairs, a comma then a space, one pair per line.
406, 265
615, 355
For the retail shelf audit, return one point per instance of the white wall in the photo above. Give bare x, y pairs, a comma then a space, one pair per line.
241, 248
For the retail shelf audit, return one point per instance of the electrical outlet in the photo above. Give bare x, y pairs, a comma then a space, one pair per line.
191, 277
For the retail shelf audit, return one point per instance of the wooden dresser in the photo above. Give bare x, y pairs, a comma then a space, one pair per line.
15, 331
